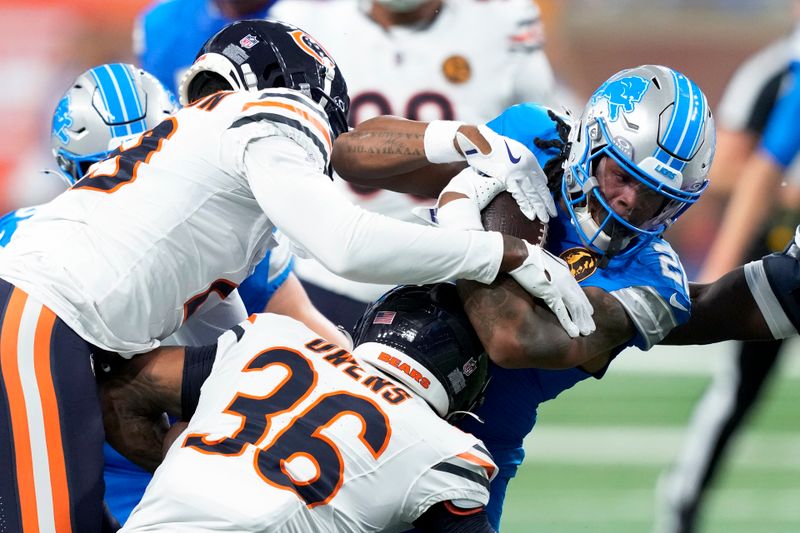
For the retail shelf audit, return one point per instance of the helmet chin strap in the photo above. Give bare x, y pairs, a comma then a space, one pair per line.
611, 244
590, 227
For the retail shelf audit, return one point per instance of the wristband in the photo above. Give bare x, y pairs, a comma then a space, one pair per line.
438, 141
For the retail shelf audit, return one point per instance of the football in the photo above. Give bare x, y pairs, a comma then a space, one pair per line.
504, 215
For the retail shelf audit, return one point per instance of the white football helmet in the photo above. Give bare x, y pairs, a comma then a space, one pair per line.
105, 106
657, 125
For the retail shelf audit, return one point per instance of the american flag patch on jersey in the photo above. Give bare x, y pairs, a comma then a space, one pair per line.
384, 317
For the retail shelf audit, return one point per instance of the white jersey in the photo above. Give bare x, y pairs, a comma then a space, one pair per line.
475, 59
185, 212
294, 435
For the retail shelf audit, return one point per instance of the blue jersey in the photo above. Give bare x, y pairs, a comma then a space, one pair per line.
9, 223
170, 33
650, 284
781, 138
267, 278
125, 482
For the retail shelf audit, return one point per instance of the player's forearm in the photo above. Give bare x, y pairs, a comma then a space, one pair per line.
139, 439
135, 394
389, 153
519, 332
380, 147
712, 319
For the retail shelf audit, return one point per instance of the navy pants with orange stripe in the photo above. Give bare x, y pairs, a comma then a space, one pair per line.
51, 428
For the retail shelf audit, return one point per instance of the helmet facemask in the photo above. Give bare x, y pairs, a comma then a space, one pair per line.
642, 142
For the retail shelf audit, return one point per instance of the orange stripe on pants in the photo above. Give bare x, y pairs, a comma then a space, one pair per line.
18, 411
52, 420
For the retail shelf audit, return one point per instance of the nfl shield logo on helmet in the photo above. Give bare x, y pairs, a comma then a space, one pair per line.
248, 41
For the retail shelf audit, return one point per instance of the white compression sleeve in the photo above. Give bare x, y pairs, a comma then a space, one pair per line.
357, 244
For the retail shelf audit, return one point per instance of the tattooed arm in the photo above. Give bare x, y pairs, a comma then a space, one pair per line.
388, 153
135, 394
519, 332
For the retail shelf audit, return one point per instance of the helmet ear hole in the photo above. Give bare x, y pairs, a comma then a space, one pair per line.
206, 83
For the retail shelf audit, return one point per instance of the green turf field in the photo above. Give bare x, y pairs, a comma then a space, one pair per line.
596, 453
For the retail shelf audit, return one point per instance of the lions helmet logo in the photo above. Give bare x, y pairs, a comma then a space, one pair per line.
582, 263
312, 47
62, 120
622, 94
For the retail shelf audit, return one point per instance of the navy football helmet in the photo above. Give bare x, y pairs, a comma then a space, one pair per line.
421, 336
657, 125
251, 55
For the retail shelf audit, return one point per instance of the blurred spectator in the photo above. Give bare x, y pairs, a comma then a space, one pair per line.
424, 60
169, 33
758, 141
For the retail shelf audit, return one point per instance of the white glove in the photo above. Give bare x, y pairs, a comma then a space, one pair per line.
547, 277
516, 167
465, 213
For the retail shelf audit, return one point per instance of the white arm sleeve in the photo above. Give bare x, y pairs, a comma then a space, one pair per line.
356, 244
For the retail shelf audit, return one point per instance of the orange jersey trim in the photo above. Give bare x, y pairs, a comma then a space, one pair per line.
452, 509
18, 410
489, 467
320, 127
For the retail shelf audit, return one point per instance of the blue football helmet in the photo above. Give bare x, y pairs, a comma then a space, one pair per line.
657, 125
421, 336
105, 106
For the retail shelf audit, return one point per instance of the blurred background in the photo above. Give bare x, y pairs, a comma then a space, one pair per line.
595, 456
